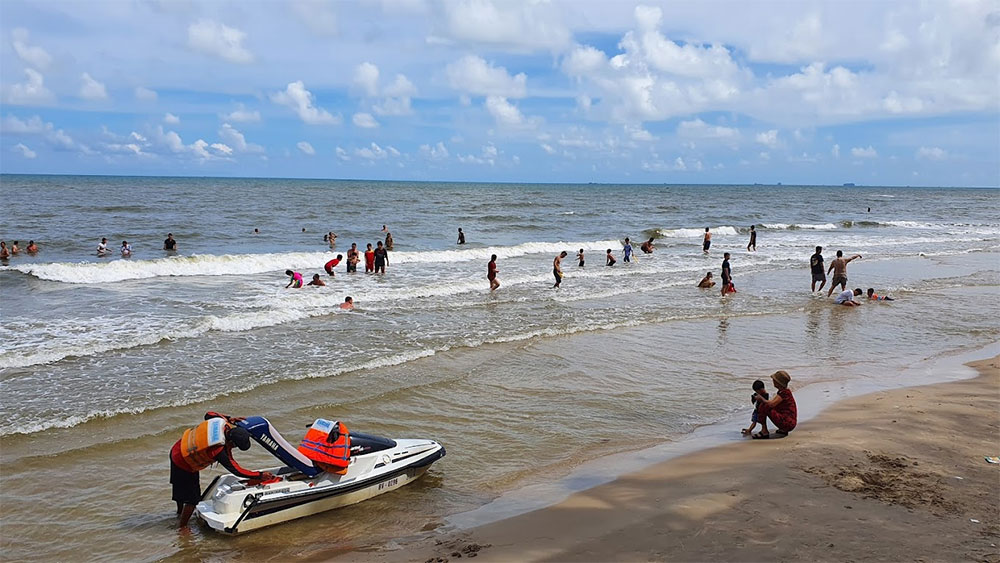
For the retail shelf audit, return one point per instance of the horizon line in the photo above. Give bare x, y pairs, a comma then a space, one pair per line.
305, 178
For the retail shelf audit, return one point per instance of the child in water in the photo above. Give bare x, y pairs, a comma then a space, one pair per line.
611, 259
579, 256
759, 394
875, 297
295, 281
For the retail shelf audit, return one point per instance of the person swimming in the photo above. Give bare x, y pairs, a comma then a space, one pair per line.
875, 297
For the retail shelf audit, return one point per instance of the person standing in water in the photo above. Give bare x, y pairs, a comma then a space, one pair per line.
388, 240
461, 236
32, 247
727, 276
610, 259
491, 273
102, 248
4, 253
329, 266
126, 249
579, 256
381, 258
707, 242
557, 268
170, 245
816, 267
370, 258
753, 240
839, 267
627, 250
353, 257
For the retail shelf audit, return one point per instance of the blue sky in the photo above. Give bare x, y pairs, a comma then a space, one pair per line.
892, 93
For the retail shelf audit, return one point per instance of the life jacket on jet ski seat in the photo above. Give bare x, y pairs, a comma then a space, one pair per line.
201, 444
328, 444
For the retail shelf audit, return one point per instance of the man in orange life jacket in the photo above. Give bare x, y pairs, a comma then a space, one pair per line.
209, 442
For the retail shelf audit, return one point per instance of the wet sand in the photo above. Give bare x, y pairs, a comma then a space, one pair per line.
891, 476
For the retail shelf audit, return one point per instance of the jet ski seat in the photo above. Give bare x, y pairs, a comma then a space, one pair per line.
269, 437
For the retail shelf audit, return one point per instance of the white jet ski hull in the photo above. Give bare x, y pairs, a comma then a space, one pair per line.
230, 506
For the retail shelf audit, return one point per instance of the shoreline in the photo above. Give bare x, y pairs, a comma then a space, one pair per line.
832, 460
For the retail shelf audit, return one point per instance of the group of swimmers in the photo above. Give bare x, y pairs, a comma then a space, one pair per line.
15, 249
839, 268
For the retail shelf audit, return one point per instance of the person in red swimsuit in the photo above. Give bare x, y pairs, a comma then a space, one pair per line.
780, 408
369, 260
329, 266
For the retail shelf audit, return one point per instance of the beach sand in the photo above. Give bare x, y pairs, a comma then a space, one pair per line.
897, 475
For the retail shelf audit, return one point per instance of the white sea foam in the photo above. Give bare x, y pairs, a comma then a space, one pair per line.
248, 264
808, 226
695, 233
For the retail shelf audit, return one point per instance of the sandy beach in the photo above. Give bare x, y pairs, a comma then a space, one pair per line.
896, 475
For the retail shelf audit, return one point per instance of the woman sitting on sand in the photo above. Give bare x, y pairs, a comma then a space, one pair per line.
780, 409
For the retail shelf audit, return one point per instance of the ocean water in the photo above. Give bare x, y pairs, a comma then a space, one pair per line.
105, 361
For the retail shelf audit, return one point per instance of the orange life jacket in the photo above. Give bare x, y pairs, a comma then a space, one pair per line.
201, 444
329, 445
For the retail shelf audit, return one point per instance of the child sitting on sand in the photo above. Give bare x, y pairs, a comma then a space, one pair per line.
759, 394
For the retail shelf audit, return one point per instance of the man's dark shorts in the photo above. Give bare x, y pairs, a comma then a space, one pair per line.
837, 280
186, 485
819, 277
706, 245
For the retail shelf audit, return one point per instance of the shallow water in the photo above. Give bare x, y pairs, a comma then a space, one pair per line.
105, 362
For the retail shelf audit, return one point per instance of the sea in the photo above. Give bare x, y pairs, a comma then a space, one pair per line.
105, 361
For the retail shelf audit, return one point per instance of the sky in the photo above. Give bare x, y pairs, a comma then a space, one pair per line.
798, 92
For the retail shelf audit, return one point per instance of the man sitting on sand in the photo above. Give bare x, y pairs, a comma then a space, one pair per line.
781, 409
846, 297
707, 281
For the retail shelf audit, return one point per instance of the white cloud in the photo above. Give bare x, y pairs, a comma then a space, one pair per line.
397, 96
511, 25
436, 152
931, 153
55, 138
237, 140
145, 94
488, 155
372, 152
306, 148
222, 149
366, 78
698, 129
547, 148
637, 133
768, 138
31, 92
91, 89
342, 154
364, 120
241, 115
474, 75
12, 124
864, 152
220, 40
318, 15
299, 99
25, 151
835, 151
507, 114
33, 55
171, 119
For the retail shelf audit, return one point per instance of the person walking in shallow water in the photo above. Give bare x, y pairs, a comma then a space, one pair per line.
839, 268
491, 273
753, 240
816, 267
461, 236
707, 241
557, 268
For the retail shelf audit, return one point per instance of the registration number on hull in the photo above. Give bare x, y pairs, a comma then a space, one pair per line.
389, 483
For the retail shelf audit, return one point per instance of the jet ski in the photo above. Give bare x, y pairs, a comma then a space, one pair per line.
303, 487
